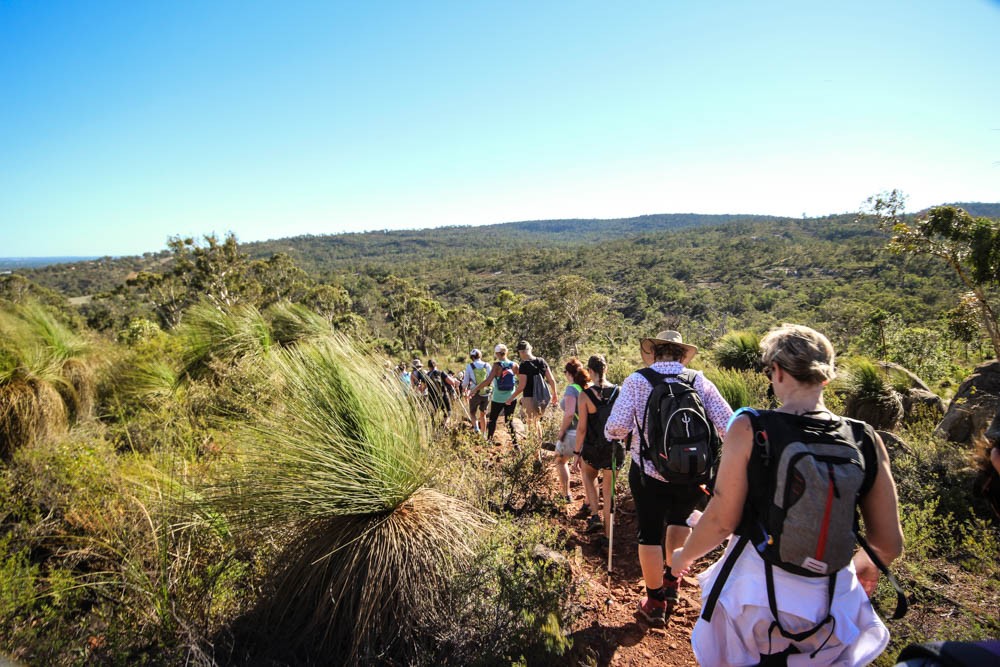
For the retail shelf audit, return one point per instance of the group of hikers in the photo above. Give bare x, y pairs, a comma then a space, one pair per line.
783, 488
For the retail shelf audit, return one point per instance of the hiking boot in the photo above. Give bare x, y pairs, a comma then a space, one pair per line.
549, 446
602, 543
670, 589
594, 524
584, 511
654, 611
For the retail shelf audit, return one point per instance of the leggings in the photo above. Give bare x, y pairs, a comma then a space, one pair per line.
508, 414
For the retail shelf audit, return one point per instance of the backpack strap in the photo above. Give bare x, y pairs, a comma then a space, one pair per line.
805, 634
654, 378
902, 603
720, 579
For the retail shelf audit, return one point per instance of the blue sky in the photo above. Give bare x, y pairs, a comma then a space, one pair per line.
123, 123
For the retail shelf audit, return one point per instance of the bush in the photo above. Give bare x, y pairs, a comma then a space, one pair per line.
738, 350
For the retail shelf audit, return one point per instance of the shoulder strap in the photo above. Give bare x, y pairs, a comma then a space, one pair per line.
592, 395
652, 377
720, 579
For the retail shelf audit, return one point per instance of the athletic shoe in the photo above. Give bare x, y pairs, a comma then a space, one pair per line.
594, 524
602, 543
654, 611
549, 446
584, 511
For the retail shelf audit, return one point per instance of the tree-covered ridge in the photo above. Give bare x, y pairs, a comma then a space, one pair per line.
486, 248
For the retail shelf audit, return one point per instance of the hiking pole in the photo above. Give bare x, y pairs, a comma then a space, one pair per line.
611, 505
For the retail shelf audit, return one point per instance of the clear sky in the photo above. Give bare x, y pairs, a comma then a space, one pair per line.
123, 123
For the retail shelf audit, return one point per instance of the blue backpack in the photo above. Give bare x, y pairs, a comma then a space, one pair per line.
506, 379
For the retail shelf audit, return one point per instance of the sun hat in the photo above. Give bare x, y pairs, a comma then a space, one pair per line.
500, 348
417, 363
475, 353
673, 337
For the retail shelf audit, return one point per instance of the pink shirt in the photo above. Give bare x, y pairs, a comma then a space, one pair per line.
631, 406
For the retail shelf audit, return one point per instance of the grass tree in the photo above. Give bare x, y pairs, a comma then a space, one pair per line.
341, 465
738, 350
46, 380
214, 336
870, 397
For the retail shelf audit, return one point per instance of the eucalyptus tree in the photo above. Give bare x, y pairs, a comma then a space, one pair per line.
970, 246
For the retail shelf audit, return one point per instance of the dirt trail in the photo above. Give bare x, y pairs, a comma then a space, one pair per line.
609, 631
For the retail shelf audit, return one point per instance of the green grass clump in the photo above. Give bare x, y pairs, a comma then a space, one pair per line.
214, 337
738, 350
292, 323
342, 461
740, 388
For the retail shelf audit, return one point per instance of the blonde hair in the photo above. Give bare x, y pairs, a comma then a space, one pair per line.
805, 353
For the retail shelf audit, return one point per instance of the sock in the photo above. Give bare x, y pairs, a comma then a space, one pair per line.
669, 577
656, 594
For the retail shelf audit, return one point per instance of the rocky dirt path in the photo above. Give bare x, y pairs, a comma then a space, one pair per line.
608, 630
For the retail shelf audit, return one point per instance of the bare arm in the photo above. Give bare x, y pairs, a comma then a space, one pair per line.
489, 378
567, 416
585, 408
880, 509
522, 381
551, 382
725, 509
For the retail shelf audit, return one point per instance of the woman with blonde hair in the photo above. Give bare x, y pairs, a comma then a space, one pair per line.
791, 586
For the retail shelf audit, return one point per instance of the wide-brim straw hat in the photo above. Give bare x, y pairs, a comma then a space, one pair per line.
673, 337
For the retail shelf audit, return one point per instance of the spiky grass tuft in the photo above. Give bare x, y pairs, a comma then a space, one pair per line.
342, 459
738, 350
212, 335
44, 380
292, 323
740, 388
869, 395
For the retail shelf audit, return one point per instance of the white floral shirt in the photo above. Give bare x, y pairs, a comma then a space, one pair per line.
631, 404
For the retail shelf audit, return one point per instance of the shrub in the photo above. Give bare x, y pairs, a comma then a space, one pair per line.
869, 396
738, 350
342, 463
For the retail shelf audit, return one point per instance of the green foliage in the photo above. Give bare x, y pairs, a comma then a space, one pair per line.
342, 459
214, 335
738, 350
740, 388
869, 395
510, 605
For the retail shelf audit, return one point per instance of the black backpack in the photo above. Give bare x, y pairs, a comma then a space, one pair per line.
807, 477
683, 442
596, 422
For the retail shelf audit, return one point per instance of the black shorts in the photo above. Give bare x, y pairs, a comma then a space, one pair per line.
598, 456
659, 504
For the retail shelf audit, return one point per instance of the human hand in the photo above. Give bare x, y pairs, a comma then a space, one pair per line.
867, 572
680, 564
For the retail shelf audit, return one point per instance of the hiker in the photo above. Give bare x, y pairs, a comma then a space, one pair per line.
503, 375
576, 380
659, 503
534, 380
418, 378
476, 372
766, 603
438, 390
595, 451
403, 375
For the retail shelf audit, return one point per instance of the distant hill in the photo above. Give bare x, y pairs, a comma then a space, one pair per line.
12, 263
976, 209
516, 253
